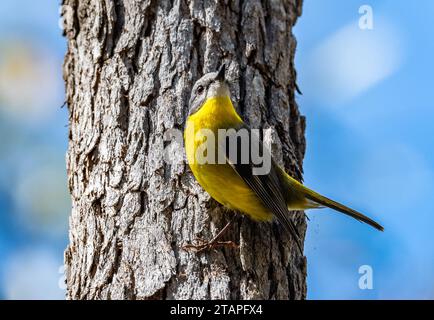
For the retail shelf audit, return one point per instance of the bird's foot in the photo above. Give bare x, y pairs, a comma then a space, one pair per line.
202, 245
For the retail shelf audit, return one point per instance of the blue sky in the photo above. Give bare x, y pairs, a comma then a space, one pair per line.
367, 96
33, 210
372, 149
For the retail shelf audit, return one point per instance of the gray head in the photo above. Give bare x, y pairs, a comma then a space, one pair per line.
211, 85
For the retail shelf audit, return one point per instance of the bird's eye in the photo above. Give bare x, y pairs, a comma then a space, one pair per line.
199, 90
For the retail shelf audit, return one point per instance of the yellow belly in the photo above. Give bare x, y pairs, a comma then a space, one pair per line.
220, 180
224, 185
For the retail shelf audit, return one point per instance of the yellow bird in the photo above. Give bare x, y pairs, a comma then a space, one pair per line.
234, 184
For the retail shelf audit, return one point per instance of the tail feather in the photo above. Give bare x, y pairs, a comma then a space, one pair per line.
324, 201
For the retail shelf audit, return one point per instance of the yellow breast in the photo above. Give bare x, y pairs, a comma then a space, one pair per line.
220, 180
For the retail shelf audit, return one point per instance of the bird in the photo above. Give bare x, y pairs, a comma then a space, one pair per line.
234, 183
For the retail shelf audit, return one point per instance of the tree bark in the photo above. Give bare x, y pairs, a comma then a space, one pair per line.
129, 69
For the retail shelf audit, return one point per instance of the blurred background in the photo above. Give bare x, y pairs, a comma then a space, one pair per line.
34, 200
367, 96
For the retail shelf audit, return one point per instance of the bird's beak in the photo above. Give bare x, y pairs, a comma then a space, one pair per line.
221, 73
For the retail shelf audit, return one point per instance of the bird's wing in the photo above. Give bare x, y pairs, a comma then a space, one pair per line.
267, 187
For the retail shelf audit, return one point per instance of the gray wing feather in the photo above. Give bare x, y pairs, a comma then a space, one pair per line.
267, 187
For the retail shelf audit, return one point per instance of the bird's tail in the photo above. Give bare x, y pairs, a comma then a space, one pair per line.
320, 200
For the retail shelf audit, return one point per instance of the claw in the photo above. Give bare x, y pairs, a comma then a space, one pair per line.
203, 245
207, 246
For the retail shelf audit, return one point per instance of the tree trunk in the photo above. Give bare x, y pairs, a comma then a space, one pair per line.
129, 69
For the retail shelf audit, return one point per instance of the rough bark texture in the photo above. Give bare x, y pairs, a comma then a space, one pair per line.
129, 69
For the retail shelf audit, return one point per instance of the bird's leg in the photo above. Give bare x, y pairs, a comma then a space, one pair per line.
213, 243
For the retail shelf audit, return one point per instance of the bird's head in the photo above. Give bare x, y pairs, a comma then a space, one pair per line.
211, 85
